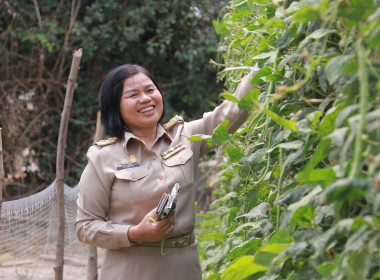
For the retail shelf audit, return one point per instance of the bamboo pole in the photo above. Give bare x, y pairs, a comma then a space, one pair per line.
1, 172
60, 164
92, 254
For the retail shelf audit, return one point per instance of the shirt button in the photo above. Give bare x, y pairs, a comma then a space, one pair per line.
154, 157
161, 177
181, 160
134, 176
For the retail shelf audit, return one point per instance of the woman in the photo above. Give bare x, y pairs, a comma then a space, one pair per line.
126, 176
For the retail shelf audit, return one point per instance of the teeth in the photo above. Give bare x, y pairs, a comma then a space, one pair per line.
146, 109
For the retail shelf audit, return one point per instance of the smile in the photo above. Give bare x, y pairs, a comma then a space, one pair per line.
147, 109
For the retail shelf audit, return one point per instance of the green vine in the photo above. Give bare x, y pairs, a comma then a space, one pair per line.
307, 163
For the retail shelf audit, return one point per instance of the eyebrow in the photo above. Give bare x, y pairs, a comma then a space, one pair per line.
134, 90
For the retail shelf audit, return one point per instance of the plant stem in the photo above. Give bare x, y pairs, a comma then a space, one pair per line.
279, 187
364, 96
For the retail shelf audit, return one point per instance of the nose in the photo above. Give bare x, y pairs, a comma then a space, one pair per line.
144, 98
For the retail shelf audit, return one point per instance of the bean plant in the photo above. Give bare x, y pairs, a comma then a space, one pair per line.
297, 195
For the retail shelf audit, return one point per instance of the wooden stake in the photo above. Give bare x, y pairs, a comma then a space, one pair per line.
92, 254
1, 172
60, 164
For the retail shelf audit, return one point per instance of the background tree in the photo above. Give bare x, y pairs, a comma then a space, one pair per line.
174, 39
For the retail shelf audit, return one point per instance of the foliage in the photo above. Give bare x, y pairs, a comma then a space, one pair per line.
174, 39
298, 195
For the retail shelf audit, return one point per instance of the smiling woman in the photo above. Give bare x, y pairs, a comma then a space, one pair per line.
127, 175
141, 107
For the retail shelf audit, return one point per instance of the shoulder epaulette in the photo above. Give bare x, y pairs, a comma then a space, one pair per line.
172, 122
109, 141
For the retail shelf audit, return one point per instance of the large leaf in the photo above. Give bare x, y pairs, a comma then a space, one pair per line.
250, 100
356, 266
242, 268
257, 212
234, 154
354, 11
291, 125
220, 134
201, 137
352, 189
328, 122
303, 217
280, 241
324, 176
230, 97
335, 66
320, 153
248, 247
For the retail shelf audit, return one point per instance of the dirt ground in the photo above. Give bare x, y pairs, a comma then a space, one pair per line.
40, 271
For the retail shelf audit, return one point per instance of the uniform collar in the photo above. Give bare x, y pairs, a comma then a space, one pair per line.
160, 132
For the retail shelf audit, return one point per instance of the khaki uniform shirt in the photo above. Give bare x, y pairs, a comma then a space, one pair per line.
112, 200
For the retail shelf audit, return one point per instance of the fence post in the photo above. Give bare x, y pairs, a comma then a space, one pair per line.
1, 172
59, 259
92, 254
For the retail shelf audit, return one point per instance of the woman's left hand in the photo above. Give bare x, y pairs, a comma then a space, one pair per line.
151, 229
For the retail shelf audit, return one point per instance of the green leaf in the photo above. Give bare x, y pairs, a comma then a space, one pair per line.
327, 123
343, 189
280, 241
218, 236
242, 268
313, 118
250, 100
295, 145
355, 11
264, 55
246, 248
320, 153
229, 97
220, 134
220, 27
317, 34
257, 212
254, 157
291, 125
306, 14
374, 39
263, 72
201, 137
302, 217
326, 269
234, 154
323, 176
345, 113
356, 265
335, 66
282, 236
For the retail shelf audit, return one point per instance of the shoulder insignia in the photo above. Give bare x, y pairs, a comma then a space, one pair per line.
172, 122
109, 141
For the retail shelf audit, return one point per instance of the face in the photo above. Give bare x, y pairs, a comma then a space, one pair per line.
141, 103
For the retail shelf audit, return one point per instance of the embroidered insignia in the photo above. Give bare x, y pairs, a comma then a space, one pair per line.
109, 141
124, 161
173, 150
128, 163
172, 122
132, 159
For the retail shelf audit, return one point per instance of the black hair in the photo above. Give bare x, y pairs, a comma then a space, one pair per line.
110, 96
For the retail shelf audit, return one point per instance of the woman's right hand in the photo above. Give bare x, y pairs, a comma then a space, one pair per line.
147, 231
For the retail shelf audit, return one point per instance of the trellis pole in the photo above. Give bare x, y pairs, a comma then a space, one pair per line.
92, 254
1, 172
60, 164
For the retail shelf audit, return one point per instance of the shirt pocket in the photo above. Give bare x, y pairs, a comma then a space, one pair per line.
132, 185
180, 166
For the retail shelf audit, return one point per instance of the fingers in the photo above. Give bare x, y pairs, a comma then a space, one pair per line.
167, 229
